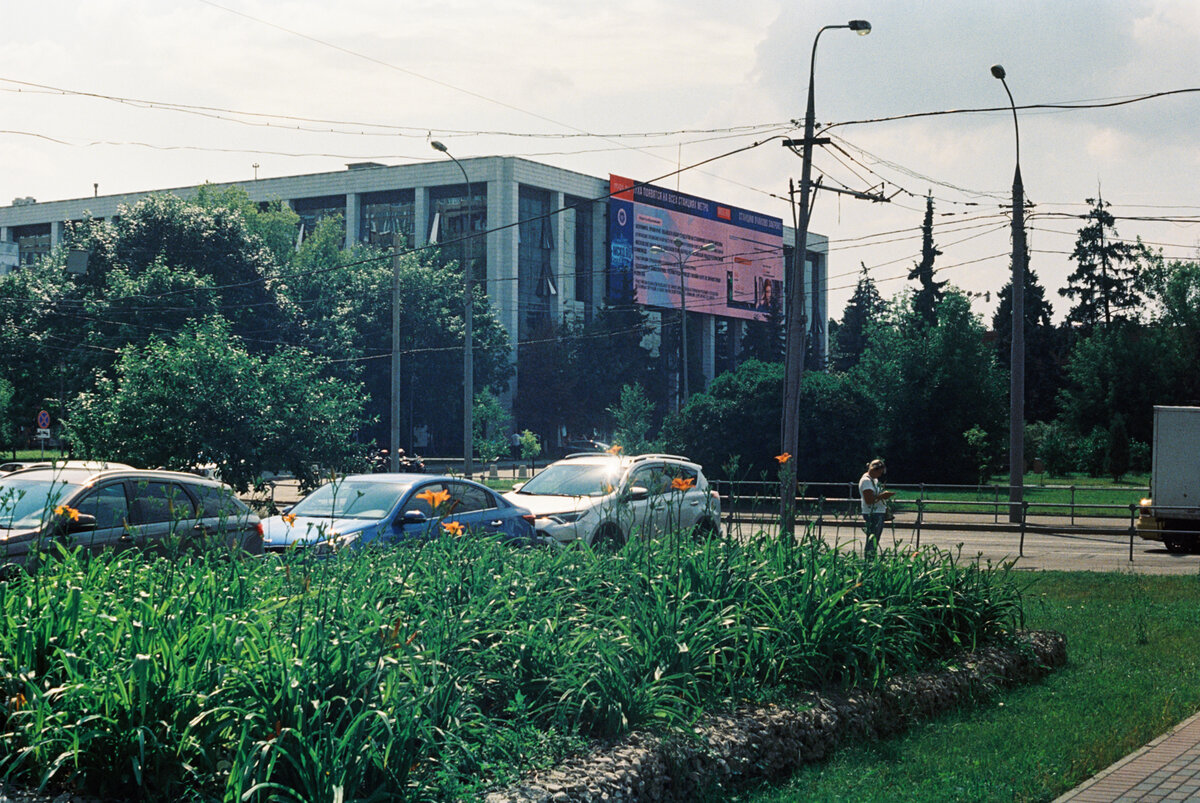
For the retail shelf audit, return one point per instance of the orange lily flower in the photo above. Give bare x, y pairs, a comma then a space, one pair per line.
70, 512
453, 527
614, 449
682, 484
290, 518
783, 458
435, 498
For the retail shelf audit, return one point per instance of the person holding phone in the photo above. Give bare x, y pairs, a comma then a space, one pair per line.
874, 504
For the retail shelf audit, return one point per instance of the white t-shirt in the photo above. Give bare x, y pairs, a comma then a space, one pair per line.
869, 484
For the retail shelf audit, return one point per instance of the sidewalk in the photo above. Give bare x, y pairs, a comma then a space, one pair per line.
1166, 769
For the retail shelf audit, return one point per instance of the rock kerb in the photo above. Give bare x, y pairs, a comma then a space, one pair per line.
756, 743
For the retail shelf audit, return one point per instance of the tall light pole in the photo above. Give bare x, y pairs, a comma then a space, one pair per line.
468, 345
683, 258
794, 348
1016, 386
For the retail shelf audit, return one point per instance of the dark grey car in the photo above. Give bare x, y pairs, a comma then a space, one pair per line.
120, 509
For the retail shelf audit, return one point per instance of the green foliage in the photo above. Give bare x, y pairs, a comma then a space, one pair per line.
433, 672
929, 293
849, 340
531, 447
1046, 346
202, 398
491, 423
738, 418
983, 451
1105, 284
8, 430
1122, 369
1132, 675
632, 420
931, 384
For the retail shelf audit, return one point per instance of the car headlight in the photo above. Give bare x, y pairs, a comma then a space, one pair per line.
567, 518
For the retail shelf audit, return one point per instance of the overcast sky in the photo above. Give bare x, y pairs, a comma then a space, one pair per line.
300, 86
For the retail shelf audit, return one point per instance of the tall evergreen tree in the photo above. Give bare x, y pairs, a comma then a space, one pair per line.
849, 338
764, 340
1105, 284
929, 294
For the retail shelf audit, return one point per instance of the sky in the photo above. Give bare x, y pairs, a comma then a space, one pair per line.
115, 96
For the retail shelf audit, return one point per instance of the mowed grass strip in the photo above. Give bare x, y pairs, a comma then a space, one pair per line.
1133, 671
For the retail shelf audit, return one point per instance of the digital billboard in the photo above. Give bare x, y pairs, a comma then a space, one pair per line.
654, 232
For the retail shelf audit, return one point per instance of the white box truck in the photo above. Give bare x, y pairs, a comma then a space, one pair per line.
1172, 513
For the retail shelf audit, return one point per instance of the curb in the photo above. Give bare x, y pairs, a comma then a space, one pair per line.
769, 742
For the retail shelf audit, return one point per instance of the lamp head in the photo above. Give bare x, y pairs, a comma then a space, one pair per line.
438, 146
657, 249
997, 71
708, 247
861, 27
679, 242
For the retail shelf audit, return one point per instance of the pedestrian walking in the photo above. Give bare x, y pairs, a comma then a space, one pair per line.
874, 504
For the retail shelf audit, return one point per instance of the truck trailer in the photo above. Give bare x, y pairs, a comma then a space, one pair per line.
1172, 513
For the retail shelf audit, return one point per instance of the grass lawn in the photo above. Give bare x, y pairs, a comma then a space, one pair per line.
1134, 671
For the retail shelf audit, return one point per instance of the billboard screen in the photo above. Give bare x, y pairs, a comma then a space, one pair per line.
654, 231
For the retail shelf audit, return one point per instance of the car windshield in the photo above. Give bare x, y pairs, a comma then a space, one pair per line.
351, 500
565, 479
26, 503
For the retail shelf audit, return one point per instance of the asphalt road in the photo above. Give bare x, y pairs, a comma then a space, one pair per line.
1093, 545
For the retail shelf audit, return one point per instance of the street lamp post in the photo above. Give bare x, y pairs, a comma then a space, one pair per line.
1016, 387
794, 346
683, 258
468, 345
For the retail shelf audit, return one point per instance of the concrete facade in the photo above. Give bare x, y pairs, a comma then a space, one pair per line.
546, 266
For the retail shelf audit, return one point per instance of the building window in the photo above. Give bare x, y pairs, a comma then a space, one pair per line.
33, 242
584, 252
314, 210
458, 226
536, 284
381, 214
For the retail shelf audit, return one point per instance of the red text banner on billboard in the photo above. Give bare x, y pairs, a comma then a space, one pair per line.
654, 232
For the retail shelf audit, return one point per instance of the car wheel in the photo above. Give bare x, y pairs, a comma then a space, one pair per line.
608, 538
1176, 544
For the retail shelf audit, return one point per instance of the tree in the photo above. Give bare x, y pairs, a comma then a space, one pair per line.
850, 337
1123, 369
1175, 286
490, 421
608, 354
1116, 456
7, 430
764, 340
632, 420
931, 385
202, 397
736, 421
1045, 347
1104, 285
929, 293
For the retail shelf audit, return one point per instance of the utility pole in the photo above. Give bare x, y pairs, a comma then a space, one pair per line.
394, 441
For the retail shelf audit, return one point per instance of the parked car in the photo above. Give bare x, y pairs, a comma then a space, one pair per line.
363, 509
605, 499
97, 465
119, 508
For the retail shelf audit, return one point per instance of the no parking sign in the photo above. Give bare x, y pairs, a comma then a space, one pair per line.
43, 425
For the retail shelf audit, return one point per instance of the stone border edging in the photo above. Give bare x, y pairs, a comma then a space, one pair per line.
768, 741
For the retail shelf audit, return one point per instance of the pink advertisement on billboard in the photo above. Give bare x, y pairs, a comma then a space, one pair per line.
662, 243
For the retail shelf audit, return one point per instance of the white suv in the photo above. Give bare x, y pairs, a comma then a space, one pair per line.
604, 499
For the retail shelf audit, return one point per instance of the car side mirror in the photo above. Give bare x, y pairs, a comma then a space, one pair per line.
413, 517
84, 523
518, 486
637, 493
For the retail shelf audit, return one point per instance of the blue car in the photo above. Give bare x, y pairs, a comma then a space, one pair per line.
362, 509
